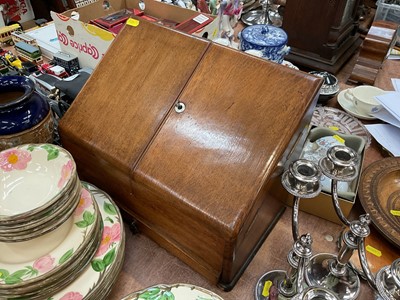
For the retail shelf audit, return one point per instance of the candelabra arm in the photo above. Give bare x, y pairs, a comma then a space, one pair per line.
295, 218
336, 205
364, 264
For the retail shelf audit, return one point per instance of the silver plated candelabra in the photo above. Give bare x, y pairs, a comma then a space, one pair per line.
328, 270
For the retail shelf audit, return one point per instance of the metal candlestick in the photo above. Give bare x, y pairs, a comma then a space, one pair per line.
260, 16
340, 164
387, 280
332, 272
290, 283
328, 270
302, 180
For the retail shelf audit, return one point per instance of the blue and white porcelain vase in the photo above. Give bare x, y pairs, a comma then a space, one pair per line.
21, 107
270, 40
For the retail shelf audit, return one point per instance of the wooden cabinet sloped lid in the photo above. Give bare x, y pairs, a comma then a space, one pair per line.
127, 97
216, 156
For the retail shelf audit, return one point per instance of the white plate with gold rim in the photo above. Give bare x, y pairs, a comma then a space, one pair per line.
33, 177
31, 261
108, 257
348, 107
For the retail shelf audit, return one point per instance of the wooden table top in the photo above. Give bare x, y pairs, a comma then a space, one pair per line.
147, 264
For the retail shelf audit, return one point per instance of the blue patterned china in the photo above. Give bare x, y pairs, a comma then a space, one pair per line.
270, 40
21, 107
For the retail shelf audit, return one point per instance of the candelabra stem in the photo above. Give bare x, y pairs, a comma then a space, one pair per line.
335, 200
295, 218
338, 267
287, 286
266, 9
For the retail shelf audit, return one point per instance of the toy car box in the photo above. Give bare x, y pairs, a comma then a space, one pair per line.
90, 42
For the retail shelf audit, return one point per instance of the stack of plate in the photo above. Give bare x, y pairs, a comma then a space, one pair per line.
51, 227
40, 191
97, 279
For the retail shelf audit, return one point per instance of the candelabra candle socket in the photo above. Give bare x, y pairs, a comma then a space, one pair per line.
302, 179
340, 163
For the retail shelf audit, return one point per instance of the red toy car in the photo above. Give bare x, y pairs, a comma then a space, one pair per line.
53, 70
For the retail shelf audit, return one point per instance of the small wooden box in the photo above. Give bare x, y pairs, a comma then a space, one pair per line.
203, 182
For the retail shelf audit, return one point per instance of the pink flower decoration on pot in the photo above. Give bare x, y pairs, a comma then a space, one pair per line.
72, 296
14, 159
44, 264
110, 235
66, 172
84, 202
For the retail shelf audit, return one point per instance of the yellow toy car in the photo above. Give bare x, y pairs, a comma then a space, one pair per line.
13, 61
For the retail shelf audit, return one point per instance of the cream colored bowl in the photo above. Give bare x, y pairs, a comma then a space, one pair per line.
32, 178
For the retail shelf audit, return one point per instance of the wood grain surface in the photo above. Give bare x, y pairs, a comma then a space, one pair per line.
147, 264
374, 49
199, 179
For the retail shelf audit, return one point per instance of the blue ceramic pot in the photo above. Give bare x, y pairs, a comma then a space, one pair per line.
270, 40
21, 107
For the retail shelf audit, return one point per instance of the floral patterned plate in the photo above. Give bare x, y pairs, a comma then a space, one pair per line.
33, 177
179, 291
108, 258
66, 253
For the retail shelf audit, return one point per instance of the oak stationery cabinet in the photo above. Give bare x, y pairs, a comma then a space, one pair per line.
190, 138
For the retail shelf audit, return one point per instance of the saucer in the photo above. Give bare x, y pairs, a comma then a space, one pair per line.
348, 106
